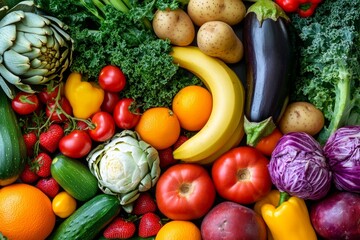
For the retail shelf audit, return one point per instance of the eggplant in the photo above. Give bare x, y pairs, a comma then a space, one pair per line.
270, 67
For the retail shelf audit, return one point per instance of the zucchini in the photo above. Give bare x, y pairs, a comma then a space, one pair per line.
12, 145
74, 177
89, 219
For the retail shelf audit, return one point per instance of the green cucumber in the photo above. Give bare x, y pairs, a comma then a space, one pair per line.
12, 145
89, 219
74, 177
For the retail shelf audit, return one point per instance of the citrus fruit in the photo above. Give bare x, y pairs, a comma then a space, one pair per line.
159, 127
25, 212
179, 230
192, 105
63, 204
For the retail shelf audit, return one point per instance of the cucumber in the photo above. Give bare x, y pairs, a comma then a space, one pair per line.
12, 145
89, 219
74, 177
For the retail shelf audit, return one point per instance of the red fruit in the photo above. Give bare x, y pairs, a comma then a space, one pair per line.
30, 140
181, 140
49, 186
41, 165
49, 140
120, 228
144, 203
28, 175
166, 157
149, 225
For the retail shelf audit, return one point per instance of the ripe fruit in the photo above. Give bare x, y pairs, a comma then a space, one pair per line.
144, 203
28, 175
192, 105
30, 140
25, 213
179, 230
63, 204
120, 228
41, 165
50, 139
149, 225
49, 186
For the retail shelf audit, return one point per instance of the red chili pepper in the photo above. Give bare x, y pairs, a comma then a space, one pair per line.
305, 8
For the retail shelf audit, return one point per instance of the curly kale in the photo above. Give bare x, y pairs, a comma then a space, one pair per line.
329, 68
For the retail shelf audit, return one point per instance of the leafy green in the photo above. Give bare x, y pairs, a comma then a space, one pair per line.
329, 74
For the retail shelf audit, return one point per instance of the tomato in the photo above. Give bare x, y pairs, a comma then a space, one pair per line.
112, 79
56, 113
126, 114
76, 144
185, 191
48, 94
104, 126
110, 101
267, 144
241, 175
25, 103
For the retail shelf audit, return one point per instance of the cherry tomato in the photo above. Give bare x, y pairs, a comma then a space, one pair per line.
267, 144
241, 175
104, 126
25, 103
48, 94
58, 115
185, 191
112, 79
76, 144
110, 101
126, 114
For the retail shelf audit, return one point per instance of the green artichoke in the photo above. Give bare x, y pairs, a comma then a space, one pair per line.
34, 48
125, 166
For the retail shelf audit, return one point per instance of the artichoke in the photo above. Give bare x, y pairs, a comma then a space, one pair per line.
125, 166
34, 48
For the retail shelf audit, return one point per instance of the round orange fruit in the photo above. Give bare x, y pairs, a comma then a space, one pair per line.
179, 230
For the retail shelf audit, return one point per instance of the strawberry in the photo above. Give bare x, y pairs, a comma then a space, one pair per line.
41, 165
30, 140
144, 203
49, 186
49, 140
181, 140
28, 175
149, 225
120, 228
166, 157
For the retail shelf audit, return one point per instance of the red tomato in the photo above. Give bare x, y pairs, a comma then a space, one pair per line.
47, 94
241, 175
104, 126
25, 103
126, 114
267, 144
112, 79
185, 191
57, 114
110, 101
76, 144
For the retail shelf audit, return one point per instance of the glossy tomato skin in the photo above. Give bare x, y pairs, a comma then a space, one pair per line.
104, 126
110, 101
241, 175
76, 144
58, 115
126, 114
267, 144
47, 95
185, 191
25, 103
112, 79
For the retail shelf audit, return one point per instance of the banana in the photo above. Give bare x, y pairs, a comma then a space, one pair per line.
228, 103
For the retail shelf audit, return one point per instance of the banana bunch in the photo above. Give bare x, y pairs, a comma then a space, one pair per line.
224, 128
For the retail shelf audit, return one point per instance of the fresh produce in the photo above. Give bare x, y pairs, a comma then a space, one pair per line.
329, 71
63, 204
112, 79
304, 8
180, 192
218, 39
270, 64
337, 216
89, 219
58, 110
342, 150
30, 32
41, 165
49, 186
301, 117
218, 129
125, 166
229, 11
25, 103
74, 177
174, 25
229, 220
144, 203
12, 145
126, 113
76, 144
104, 127
119, 228
178, 230
287, 218
267, 144
110, 101
49, 139
149, 225
299, 167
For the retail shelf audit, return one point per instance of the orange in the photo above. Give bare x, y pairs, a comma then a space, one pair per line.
159, 127
179, 230
25, 212
63, 204
193, 105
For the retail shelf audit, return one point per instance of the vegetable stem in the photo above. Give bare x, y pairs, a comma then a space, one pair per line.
284, 196
119, 5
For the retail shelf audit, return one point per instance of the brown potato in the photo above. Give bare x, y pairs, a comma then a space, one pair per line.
301, 117
218, 39
174, 25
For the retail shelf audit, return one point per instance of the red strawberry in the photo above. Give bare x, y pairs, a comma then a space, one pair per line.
49, 140
41, 165
181, 140
144, 203
30, 140
120, 228
28, 175
49, 186
166, 157
149, 225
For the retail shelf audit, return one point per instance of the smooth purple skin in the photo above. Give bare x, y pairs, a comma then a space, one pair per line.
337, 216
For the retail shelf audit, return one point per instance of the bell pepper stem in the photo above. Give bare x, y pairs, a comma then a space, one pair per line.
284, 196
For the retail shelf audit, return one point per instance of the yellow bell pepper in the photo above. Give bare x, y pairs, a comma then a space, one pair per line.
85, 97
63, 204
286, 219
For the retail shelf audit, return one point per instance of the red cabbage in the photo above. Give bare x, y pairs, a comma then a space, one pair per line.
342, 150
299, 167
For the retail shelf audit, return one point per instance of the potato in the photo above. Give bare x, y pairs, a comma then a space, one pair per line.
301, 117
174, 25
229, 11
218, 39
